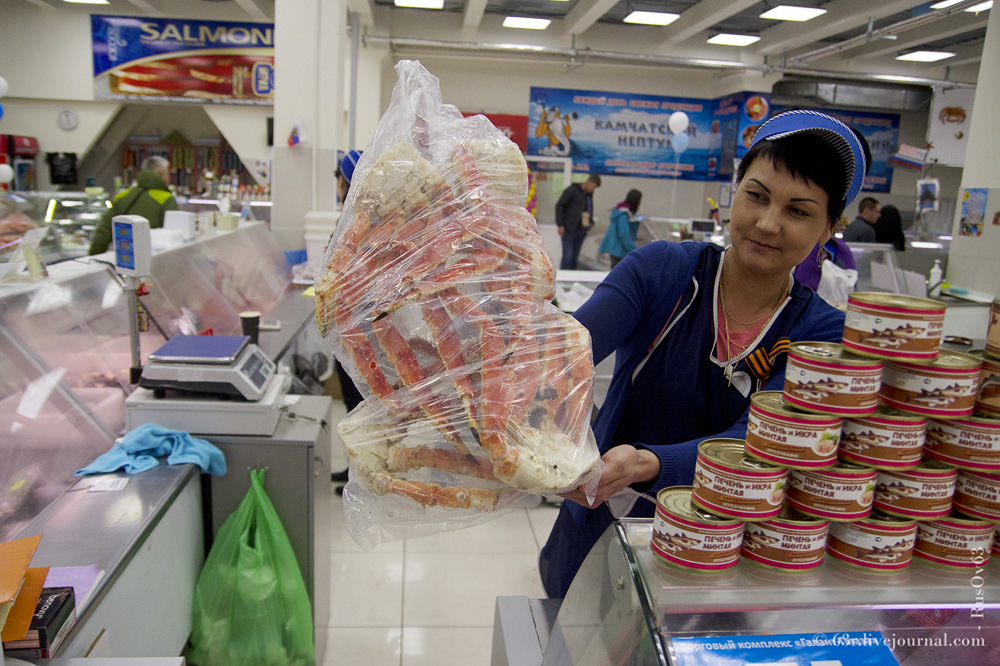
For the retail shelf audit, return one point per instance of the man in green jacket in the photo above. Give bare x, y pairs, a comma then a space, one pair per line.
149, 197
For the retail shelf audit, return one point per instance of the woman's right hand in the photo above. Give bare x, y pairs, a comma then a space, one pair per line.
623, 466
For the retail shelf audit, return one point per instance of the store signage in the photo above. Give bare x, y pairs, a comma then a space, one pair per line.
625, 134
175, 60
948, 126
830, 649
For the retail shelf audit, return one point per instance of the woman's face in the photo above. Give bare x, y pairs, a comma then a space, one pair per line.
776, 219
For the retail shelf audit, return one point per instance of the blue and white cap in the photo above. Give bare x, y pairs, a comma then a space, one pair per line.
347, 164
841, 137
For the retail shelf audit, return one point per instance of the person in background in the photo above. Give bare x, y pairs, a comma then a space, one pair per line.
862, 229
889, 228
574, 217
811, 268
619, 239
696, 329
149, 197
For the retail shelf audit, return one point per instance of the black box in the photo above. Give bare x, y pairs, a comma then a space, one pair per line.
55, 615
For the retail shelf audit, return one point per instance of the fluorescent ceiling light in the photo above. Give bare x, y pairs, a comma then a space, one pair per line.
925, 56
789, 13
526, 23
944, 4
420, 4
981, 7
727, 39
88, 2
926, 245
651, 18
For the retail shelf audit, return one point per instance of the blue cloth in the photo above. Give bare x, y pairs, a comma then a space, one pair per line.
837, 134
348, 163
619, 239
139, 449
668, 393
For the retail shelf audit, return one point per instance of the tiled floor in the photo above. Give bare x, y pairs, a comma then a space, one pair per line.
428, 601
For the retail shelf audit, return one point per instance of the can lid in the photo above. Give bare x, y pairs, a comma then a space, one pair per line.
773, 401
891, 414
790, 515
896, 301
989, 363
967, 521
829, 352
731, 453
947, 360
878, 517
676, 500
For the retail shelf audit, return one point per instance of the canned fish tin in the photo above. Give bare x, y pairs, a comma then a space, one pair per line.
730, 484
996, 541
783, 436
978, 494
887, 439
969, 443
844, 492
993, 332
924, 493
879, 542
689, 537
890, 326
955, 541
792, 541
823, 377
988, 395
945, 389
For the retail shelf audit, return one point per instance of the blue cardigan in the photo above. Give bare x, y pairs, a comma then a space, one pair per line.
619, 239
681, 379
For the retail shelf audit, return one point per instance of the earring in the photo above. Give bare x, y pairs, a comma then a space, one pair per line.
820, 258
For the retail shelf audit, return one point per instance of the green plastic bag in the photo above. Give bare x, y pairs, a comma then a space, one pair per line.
250, 602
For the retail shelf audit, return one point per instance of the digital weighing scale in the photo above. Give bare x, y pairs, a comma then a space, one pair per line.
209, 385
227, 365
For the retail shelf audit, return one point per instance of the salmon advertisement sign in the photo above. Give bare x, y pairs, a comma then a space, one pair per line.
175, 60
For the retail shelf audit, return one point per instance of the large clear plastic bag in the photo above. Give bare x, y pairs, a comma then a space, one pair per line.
437, 300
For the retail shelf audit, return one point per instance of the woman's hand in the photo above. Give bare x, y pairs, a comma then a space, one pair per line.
623, 466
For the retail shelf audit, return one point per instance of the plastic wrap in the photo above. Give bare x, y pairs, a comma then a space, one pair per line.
436, 298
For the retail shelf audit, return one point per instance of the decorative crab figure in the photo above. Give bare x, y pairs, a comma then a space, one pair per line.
436, 298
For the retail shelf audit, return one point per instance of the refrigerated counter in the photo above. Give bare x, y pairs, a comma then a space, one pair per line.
627, 606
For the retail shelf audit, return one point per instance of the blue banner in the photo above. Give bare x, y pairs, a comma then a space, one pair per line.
182, 60
625, 134
843, 649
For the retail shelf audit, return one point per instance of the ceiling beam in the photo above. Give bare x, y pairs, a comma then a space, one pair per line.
841, 15
585, 14
911, 39
701, 17
474, 10
146, 7
255, 11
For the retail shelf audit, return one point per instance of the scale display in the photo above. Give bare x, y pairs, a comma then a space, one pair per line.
132, 245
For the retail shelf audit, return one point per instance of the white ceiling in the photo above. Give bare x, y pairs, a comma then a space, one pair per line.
859, 36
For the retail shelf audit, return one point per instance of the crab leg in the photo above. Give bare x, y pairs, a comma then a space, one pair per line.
434, 494
445, 335
404, 458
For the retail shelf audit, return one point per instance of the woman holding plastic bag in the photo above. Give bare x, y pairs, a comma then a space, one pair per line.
696, 330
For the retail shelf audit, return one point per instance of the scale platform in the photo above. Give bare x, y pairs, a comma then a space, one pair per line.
201, 415
217, 364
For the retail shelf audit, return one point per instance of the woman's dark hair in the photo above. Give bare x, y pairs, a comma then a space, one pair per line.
805, 156
633, 199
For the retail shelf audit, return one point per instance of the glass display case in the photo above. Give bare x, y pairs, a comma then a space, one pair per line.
69, 217
627, 606
65, 351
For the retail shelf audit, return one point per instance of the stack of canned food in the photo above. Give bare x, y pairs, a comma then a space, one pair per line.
879, 448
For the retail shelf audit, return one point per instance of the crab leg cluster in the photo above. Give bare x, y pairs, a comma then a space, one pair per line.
436, 299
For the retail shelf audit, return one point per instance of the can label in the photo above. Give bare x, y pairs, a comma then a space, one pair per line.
915, 495
736, 493
996, 541
945, 542
965, 444
871, 546
785, 546
945, 394
791, 442
893, 333
882, 444
830, 388
993, 331
695, 546
978, 495
988, 396
836, 497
